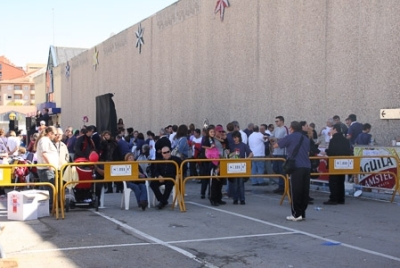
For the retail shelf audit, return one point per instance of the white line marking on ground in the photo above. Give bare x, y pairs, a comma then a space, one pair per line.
228, 237
158, 241
79, 248
147, 243
299, 232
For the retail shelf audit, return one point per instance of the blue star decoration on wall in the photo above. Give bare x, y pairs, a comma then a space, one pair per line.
67, 70
221, 5
95, 58
139, 36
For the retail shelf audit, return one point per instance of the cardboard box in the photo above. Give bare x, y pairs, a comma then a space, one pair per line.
27, 205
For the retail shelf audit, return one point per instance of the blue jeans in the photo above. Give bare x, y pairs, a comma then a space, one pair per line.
139, 189
237, 187
277, 167
257, 168
47, 175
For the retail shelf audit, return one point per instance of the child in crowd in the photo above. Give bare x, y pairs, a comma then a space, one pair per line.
364, 138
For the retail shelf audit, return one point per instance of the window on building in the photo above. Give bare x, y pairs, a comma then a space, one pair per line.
26, 97
32, 87
1, 74
9, 87
9, 97
17, 87
1, 66
17, 97
26, 87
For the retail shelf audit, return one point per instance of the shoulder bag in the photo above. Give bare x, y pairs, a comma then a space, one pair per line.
290, 163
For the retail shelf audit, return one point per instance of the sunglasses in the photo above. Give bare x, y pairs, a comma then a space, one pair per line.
167, 152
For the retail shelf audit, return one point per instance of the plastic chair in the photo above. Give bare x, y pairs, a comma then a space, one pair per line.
126, 195
153, 198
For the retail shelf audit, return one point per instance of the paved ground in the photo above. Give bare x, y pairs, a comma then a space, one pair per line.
362, 233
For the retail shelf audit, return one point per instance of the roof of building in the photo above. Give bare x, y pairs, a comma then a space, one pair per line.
59, 55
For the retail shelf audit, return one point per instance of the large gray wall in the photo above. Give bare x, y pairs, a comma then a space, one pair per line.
305, 60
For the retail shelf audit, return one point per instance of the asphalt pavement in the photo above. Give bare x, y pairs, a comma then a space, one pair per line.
362, 233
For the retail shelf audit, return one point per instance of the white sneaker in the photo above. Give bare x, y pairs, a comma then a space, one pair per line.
292, 218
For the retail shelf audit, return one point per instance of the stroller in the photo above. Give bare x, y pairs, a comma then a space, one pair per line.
83, 194
23, 174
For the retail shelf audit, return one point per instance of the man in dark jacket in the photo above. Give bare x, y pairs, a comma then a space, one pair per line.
167, 170
338, 146
84, 144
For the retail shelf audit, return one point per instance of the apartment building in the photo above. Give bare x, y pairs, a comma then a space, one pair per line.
17, 92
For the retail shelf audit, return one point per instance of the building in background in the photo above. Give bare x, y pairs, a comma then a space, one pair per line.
48, 83
17, 93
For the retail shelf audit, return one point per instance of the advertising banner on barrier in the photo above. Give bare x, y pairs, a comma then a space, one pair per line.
380, 164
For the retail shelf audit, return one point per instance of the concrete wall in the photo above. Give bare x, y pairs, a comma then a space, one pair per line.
305, 60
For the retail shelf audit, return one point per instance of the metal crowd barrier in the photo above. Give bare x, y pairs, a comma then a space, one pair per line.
119, 171
54, 186
232, 168
350, 165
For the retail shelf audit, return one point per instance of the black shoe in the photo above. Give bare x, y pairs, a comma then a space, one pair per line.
329, 202
220, 202
213, 203
203, 197
161, 205
242, 202
310, 199
278, 191
310, 202
143, 204
341, 203
235, 202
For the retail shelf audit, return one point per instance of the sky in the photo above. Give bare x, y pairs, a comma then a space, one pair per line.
29, 27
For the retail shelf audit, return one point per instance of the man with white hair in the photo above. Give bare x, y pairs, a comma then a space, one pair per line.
326, 131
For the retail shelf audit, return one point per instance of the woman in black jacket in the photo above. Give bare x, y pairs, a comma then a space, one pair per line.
338, 146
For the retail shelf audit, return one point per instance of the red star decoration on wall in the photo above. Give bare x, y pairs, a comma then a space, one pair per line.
221, 5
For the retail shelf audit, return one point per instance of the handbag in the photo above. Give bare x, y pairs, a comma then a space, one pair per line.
175, 151
290, 164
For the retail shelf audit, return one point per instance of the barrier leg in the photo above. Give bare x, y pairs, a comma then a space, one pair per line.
102, 198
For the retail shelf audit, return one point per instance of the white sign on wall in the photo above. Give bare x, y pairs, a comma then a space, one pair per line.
389, 113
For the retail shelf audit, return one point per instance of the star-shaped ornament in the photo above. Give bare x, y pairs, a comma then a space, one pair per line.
67, 69
220, 7
139, 36
95, 58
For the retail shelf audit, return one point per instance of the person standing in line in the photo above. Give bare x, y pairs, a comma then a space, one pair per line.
239, 150
364, 138
46, 153
336, 120
257, 146
339, 146
62, 149
211, 152
326, 132
300, 178
280, 132
354, 130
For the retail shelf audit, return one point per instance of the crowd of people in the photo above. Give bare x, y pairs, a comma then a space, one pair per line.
56, 147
